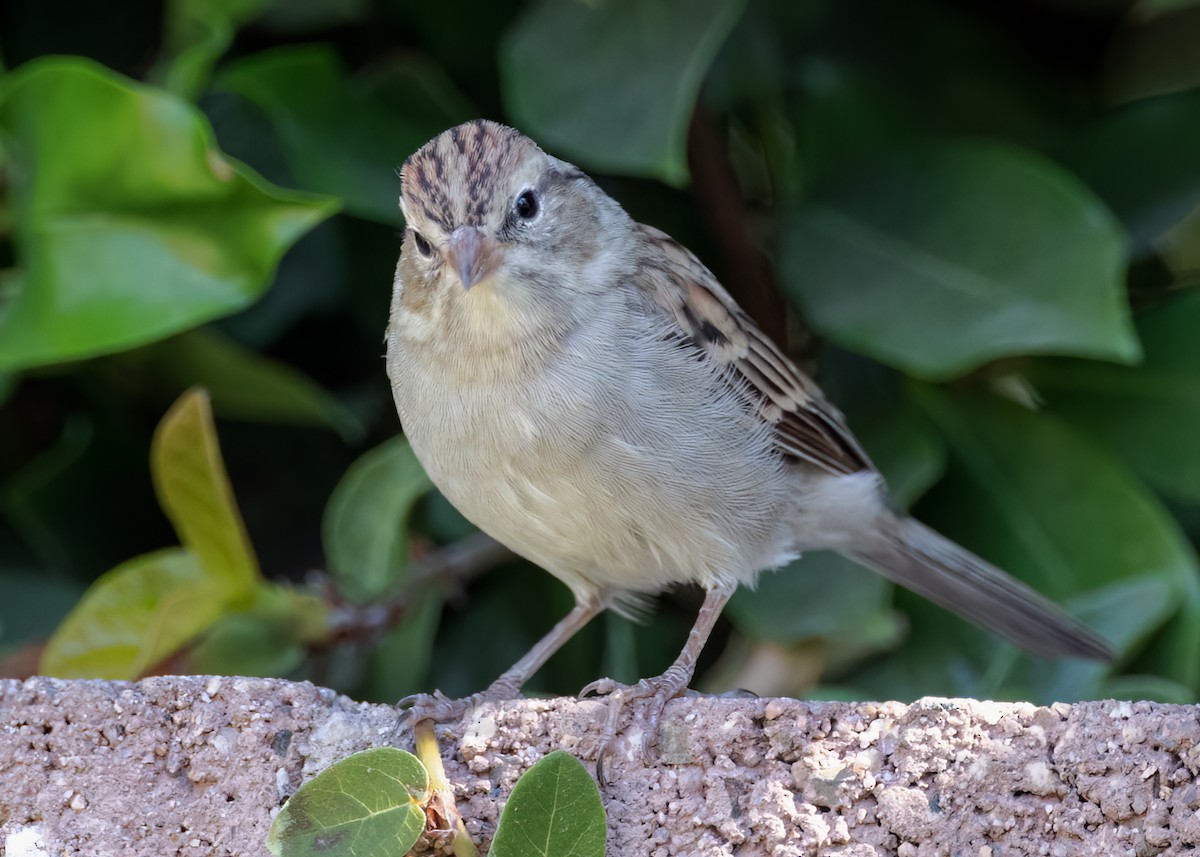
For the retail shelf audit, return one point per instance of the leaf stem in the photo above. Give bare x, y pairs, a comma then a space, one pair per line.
441, 799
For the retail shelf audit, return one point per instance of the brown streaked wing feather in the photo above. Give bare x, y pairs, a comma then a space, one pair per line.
806, 426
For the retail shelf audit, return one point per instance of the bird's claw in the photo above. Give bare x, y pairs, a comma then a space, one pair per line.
659, 690
434, 706
440, 708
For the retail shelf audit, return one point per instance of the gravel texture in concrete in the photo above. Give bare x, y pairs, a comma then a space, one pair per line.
199, 765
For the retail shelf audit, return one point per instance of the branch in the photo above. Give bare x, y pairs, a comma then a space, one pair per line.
449, 566
748, 276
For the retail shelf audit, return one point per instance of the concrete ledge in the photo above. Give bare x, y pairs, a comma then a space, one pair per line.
198, 765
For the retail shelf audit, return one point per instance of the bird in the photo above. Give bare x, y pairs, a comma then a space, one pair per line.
582, 388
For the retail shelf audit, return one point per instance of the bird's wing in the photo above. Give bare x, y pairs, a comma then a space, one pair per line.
806, 426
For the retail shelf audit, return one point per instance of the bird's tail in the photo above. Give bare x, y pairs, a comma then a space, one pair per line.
914, 556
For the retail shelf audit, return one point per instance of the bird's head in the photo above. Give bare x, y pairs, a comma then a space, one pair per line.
486, 209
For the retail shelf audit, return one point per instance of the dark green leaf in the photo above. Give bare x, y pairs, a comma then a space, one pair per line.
344, 136
1141, 160
1179, 250
243, 384
130, 224
554, 810
818, 595
943, 259
399, 665
1046, 503
612, 84
246, 644
437, 518
1153, 8
508, 612
367, 805
1149, 414
1150, 687
843, 117
1172, 651
267, 639
365, 532
198, 32
1043, 502
18, 498
34, 603
307, 15
1125, 612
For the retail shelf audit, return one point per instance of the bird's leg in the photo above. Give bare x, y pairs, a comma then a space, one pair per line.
440, 708
665, 687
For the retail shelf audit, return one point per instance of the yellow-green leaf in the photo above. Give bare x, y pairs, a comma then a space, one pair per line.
194, 491
134, 616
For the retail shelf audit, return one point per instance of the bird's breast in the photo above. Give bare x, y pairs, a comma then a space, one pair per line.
582, 466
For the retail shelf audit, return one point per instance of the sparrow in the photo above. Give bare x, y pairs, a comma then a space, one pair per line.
583, 389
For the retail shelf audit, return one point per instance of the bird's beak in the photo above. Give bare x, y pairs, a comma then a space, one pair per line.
474, 255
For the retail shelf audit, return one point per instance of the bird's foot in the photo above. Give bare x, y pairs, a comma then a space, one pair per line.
440, 708
659, 690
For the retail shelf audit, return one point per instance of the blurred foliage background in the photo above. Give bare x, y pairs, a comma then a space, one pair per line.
977, 222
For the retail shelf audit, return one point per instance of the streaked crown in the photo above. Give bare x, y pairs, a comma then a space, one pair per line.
465, 176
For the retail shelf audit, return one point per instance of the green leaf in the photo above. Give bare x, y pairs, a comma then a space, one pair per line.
844, 116
399, 664
367, 805
364, 529
19, 495
243, 384
554, 810
940, 260
339, 134
193, 488
313, 15
1149, 414
144, 610
198, 33
1179, 250
268, 639
1150, 687
130, 224
1141, 160
620, 111
1047, 504
1172, 651
136, 615
34, 603
819, 595
1043, 502
1125, 612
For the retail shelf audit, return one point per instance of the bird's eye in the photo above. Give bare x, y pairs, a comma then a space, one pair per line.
423, 246
526, 205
